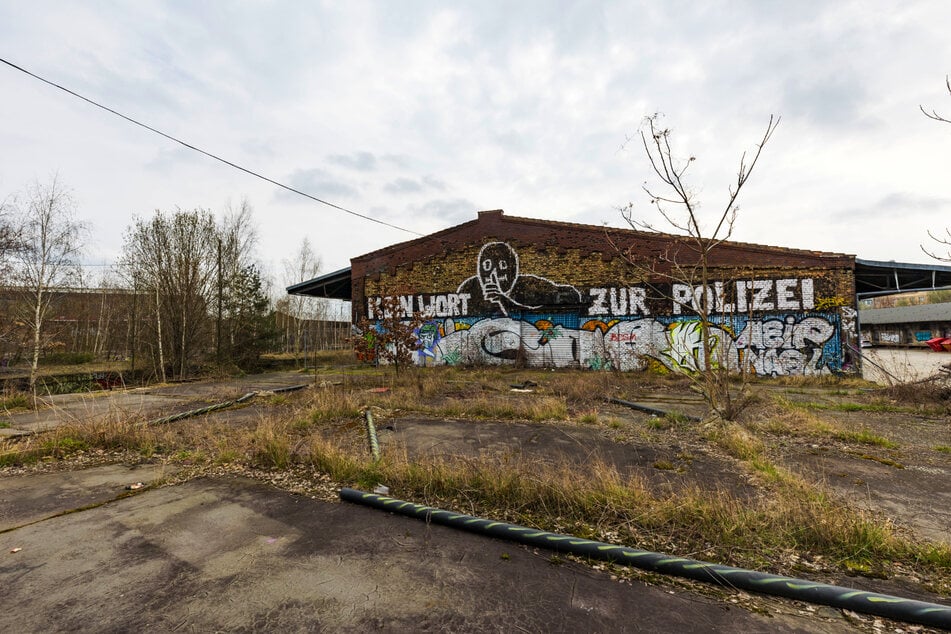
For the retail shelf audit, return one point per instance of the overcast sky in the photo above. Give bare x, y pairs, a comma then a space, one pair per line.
420, 114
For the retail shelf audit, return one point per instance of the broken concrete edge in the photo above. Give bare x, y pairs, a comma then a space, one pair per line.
126, 492
649, 410
888, 606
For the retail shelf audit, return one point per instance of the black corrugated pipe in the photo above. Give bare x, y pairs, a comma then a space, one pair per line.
898, 608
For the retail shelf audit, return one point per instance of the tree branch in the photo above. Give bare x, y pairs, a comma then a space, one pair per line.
934, 113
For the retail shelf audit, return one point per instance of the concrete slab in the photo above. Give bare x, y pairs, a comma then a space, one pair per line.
235, 386
233, 554
150, 402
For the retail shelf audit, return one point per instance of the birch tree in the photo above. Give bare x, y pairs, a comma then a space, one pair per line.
205, 290
171, 257
303, 265
49, 244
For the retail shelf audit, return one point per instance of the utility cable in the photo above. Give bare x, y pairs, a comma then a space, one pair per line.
208, 154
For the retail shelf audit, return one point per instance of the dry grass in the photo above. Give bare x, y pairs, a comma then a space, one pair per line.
783, 417
597, 501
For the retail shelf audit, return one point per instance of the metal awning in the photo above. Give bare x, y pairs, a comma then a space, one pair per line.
874, 277
334, 285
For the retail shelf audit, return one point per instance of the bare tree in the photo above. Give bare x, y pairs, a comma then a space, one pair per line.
943, 242
237, 239
303, 265
207, 292
50, 243
933, 114
687, 260
392, 337
172, 256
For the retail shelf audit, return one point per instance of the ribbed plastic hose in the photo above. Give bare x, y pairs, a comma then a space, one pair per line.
371, 435
213, 408
892, 607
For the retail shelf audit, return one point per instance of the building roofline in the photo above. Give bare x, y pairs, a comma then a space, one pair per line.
904, 265
499, 215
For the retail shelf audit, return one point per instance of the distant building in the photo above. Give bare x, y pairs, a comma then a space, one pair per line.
505, 290
906, 325
904, 299
97, 321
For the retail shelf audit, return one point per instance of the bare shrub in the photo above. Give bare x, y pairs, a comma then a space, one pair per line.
934, 390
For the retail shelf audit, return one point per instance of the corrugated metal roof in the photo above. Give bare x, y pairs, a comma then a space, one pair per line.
335, 285
920, 313
874, 277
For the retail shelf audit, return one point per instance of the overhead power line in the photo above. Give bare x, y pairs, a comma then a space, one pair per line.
208, 154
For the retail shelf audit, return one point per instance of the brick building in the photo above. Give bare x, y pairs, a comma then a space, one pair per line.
501, 289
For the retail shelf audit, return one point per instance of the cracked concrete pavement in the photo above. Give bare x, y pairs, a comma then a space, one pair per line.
80, 552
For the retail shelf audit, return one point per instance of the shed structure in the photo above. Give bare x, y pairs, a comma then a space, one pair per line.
501, 290
906, 325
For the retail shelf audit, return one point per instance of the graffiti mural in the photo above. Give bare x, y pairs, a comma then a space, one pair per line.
503, 340
499, 287
502, 315
767, 346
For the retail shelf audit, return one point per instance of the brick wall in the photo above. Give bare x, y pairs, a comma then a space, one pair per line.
509, 290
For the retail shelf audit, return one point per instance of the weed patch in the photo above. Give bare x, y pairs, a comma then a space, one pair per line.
271, 445
737, 442
597, 502
877, 407
882, 460
16, 401
866, 437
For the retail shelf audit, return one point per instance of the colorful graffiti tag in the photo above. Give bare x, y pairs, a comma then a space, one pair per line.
769, 346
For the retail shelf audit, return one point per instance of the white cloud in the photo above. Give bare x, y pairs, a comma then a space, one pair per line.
424, 113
